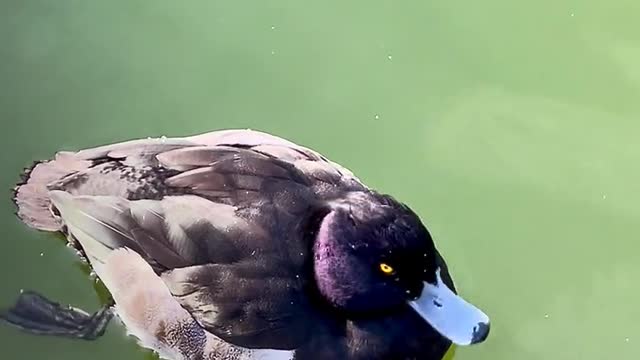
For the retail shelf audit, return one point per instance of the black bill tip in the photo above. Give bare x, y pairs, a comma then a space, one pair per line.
480, 333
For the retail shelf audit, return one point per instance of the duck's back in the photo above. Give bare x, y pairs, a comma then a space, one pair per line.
217, 165
221, 218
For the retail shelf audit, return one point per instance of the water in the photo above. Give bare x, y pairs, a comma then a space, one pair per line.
510, 127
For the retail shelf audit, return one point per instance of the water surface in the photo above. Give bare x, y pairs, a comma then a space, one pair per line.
511, 128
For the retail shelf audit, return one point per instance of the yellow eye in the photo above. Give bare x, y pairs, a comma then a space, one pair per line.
386, 269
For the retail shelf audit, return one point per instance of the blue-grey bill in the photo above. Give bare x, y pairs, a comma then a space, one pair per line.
451, 315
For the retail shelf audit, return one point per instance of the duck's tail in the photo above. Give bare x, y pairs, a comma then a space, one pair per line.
31, 195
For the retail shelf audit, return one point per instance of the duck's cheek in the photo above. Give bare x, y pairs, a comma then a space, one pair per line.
378, 298
450, 315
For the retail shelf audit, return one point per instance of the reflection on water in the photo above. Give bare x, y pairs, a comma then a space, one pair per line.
510, 127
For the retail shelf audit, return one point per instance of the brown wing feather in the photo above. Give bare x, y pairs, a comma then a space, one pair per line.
221, 216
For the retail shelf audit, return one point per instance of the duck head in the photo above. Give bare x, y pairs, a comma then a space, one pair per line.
374, 255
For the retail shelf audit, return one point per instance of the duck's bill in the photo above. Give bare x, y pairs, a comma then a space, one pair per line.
451, 315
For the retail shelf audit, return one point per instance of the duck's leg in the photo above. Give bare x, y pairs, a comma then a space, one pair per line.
36, 314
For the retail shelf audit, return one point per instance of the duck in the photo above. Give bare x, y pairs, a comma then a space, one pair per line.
242, 245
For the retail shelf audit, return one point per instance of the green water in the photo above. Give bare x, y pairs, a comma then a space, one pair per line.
510, 127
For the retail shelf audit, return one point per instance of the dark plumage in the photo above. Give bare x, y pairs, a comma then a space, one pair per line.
241, 245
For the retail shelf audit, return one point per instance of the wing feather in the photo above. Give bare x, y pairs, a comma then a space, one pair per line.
220, 217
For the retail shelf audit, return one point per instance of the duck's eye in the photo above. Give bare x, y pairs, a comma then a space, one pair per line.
386, 269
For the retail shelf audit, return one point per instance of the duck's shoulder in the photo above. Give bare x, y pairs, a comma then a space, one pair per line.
262, 154
307, 160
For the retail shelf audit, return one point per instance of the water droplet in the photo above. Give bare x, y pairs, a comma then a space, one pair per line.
297, 276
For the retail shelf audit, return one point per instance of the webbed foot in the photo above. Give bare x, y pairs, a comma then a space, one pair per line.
36, 314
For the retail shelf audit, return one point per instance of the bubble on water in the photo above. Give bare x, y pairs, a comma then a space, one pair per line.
376, 116
389, 57
21, 291
41, 254
572, 14
163, 138
546, 316
273, 27
604, 197
273, 52
626, 340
